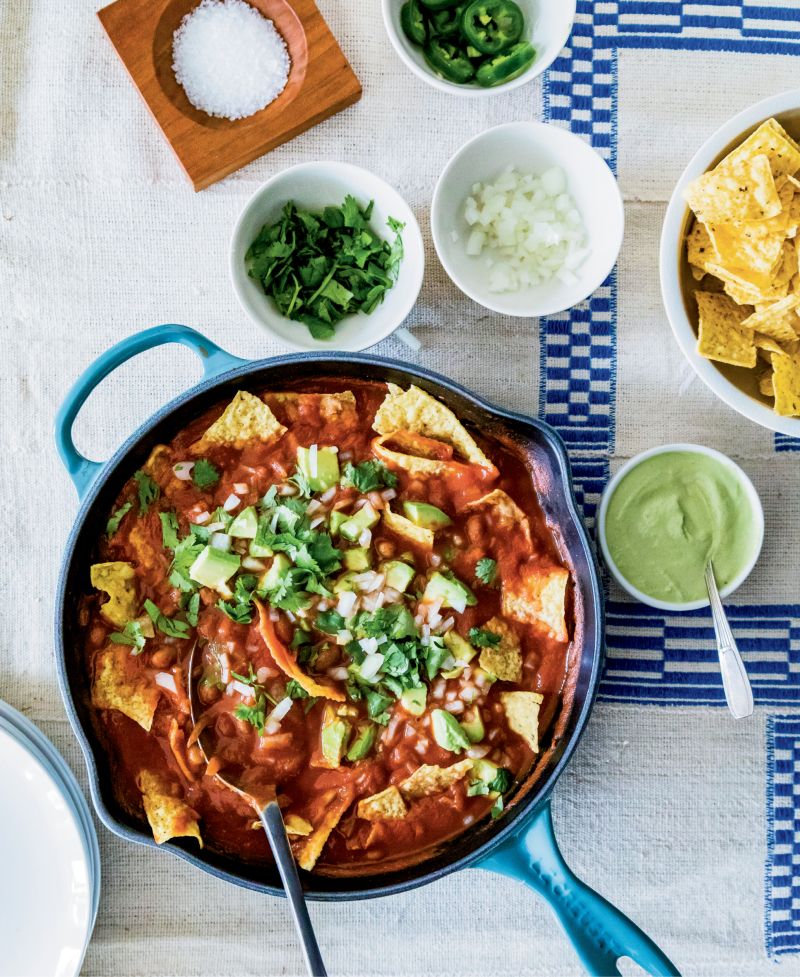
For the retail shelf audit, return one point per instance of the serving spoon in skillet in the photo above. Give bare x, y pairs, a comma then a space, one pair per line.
265, 804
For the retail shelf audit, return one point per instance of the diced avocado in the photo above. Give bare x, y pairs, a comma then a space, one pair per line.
213, 567
327, 473
487, 676
333, 737
359, 559
363, 742
414, 700
447, 731
426, 515
460, 649
277, 571
398, 575
472, 724
336, 520
259, 551
345, 581
450, 590
484, 770
365, 518
245, 525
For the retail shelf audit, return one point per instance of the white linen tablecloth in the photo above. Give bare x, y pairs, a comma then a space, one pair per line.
681, 817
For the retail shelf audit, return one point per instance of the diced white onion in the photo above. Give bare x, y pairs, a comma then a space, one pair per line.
271, 728
343, 638
339, 673
202, 518
454, 707
219, 541
447, 624
224, 667
436, 560
478, 752
375, 500
241, 488
313, 460
347, 603
263, 674
167, 681
253, 563
365, 538
183, 470
328, 494
371, 665
313, 506
448, 663
287, 489
316, 522
369, 645
388, 494
214, 527
231, 502
244, 690
280, 711
469, 693
437, 689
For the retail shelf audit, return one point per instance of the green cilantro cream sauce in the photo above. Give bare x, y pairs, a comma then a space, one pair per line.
671, 514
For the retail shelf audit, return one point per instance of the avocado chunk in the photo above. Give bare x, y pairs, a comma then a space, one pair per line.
472, 724
398, 574
484, 770
358, 559
365, 518
336, 520
277, 571
413, 700
449, 589
245, 525
426, 515
333, 737
461, 650
363, 743
447, 731
214, 567
327, 468
345, 581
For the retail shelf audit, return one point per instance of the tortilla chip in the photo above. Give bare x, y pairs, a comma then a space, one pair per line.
504, 512
522, 715
332, 408
157, 463
771, 140
148, 555
414, 464
744, 294
296, 825
503, 660
429, 779
722, 336
388, 805
700, 249
767, 343
407, 529
245, 420
538, 596
743, 189
169, 816
118, 580
776, 320
416, 411
334, 803
753, 248
786, 381
120, 684
765, 384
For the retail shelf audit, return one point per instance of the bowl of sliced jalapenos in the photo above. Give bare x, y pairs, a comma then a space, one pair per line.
478, 47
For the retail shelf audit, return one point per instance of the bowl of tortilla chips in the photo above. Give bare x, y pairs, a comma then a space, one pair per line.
730, 263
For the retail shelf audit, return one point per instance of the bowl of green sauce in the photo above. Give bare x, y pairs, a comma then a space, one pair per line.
667, 512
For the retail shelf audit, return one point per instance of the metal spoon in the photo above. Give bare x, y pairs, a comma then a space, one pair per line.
266, 806
738, 693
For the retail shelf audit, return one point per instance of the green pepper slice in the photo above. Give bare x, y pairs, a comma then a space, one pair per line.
449, 61
439, 4
447, 23
506, 66
491, 26
413, 23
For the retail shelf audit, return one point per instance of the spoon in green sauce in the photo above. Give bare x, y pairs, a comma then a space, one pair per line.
738, 693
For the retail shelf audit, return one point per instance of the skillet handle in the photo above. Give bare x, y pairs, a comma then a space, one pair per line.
215, 360
599, 933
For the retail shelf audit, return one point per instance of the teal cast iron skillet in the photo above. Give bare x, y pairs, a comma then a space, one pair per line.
520, 843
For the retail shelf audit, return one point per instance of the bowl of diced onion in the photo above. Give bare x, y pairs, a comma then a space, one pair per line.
527, 219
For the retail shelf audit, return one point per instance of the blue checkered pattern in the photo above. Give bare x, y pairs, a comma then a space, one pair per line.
656, 658
783, 835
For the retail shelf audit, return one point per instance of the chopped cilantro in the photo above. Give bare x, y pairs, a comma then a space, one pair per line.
295, 690
502, 781
113, 523
395, 621
204, 474
240, 607
131, 635
482, 638
169, 530
497, 807
148, 490
256, 714
331, 622
186, 552
191, 605
166, 625
486, 571
300, 479
368, 476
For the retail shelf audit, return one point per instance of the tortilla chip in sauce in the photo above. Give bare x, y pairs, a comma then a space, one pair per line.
407, 529
522, 715
120, 684
169, 816
388, 804
503, 660
504, 513
416, 411
333, 804
418, 463
245, 420
118, 580
538, 596
332, 408
429, 779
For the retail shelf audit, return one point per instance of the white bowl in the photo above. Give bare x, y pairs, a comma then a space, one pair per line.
699, 449
673, 233
547, 27
530, 147
315, 186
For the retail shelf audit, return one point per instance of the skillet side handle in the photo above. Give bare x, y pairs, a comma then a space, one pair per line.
215, 360
599, 933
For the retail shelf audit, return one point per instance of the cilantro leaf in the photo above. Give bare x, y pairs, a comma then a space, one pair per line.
204, 474
131, 635
331, 622
169, 530
256, 714
295, 690
240, 607
482, 638
116, 518
191, 605
149, 491
367, 476
166, 625
502, 781
186, 552
486, 571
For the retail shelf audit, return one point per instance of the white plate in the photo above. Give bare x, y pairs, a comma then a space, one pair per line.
46, 899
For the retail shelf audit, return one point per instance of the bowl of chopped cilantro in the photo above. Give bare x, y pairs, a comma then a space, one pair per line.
327, 256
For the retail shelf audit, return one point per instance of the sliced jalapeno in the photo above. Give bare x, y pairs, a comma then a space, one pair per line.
449, 61
506, 66
413, 23
447, 23
439, 4
492, 26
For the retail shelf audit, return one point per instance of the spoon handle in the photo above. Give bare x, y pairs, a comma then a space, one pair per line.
272, 820
738, 693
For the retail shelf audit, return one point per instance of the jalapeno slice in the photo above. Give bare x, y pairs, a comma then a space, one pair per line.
506, 66
439, 4
413, 23
449, 61
491, 26
447, 23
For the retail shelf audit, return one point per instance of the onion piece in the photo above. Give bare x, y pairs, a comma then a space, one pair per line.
280, 711
182, 470
313, 460
241, 488
231, 502
167, 681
